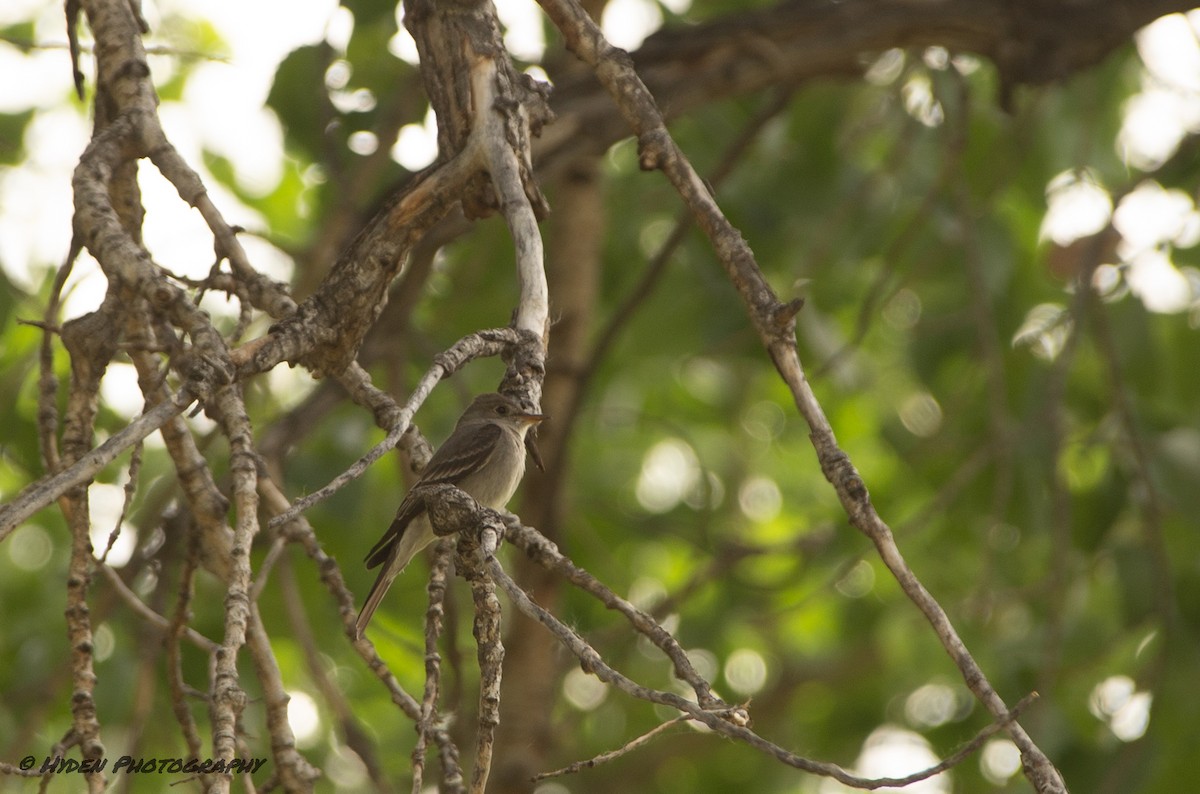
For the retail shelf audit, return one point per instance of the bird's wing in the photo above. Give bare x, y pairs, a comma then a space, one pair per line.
458, 457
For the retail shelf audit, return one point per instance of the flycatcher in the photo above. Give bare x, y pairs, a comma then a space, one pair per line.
484, 456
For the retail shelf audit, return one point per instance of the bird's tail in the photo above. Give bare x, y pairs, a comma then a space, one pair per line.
415, 537
374, 598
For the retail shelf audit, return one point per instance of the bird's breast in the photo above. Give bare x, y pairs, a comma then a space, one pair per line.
502, 473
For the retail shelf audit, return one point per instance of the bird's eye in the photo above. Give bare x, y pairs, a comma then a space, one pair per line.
502, 410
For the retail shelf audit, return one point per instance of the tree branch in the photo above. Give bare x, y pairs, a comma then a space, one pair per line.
438, 576
775, 324
481, 343
41, 493
791, 42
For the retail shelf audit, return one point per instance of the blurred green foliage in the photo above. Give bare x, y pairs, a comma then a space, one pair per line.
1050, 505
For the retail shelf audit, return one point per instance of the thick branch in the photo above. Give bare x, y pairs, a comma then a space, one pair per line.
325, 332
1031, 43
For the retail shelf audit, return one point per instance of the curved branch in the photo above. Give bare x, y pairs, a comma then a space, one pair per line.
775, 323
481, 343
729, 722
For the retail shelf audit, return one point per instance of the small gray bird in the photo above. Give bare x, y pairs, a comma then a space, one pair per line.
484, 456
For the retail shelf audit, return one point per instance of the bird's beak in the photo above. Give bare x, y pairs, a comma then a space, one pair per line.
532, 419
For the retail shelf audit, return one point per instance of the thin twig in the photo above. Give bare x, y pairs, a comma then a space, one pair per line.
135, 465
481, 343
682, 224
319, 669
228, 696
12, 769
47, 379
657, 266
731, 723
178, 627
545, 553
301, 532
612, 755
144, 611
292, 769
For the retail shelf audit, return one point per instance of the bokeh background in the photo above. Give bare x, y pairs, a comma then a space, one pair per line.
1002, 321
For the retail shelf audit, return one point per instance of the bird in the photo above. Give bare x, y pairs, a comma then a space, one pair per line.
484, 456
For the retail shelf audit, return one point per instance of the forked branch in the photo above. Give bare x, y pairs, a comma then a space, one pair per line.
774, 321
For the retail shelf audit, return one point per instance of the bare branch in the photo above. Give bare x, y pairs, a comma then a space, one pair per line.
41, 493
16, 771
612, 755
47, 380
438, 575
86, 722
178, 687
503, 125
775, 323
299, 531
326, 330
733, 722
545, 553
473, 551
657, 265
228, 696
481, 343
135, 465
292, 769
143, 610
